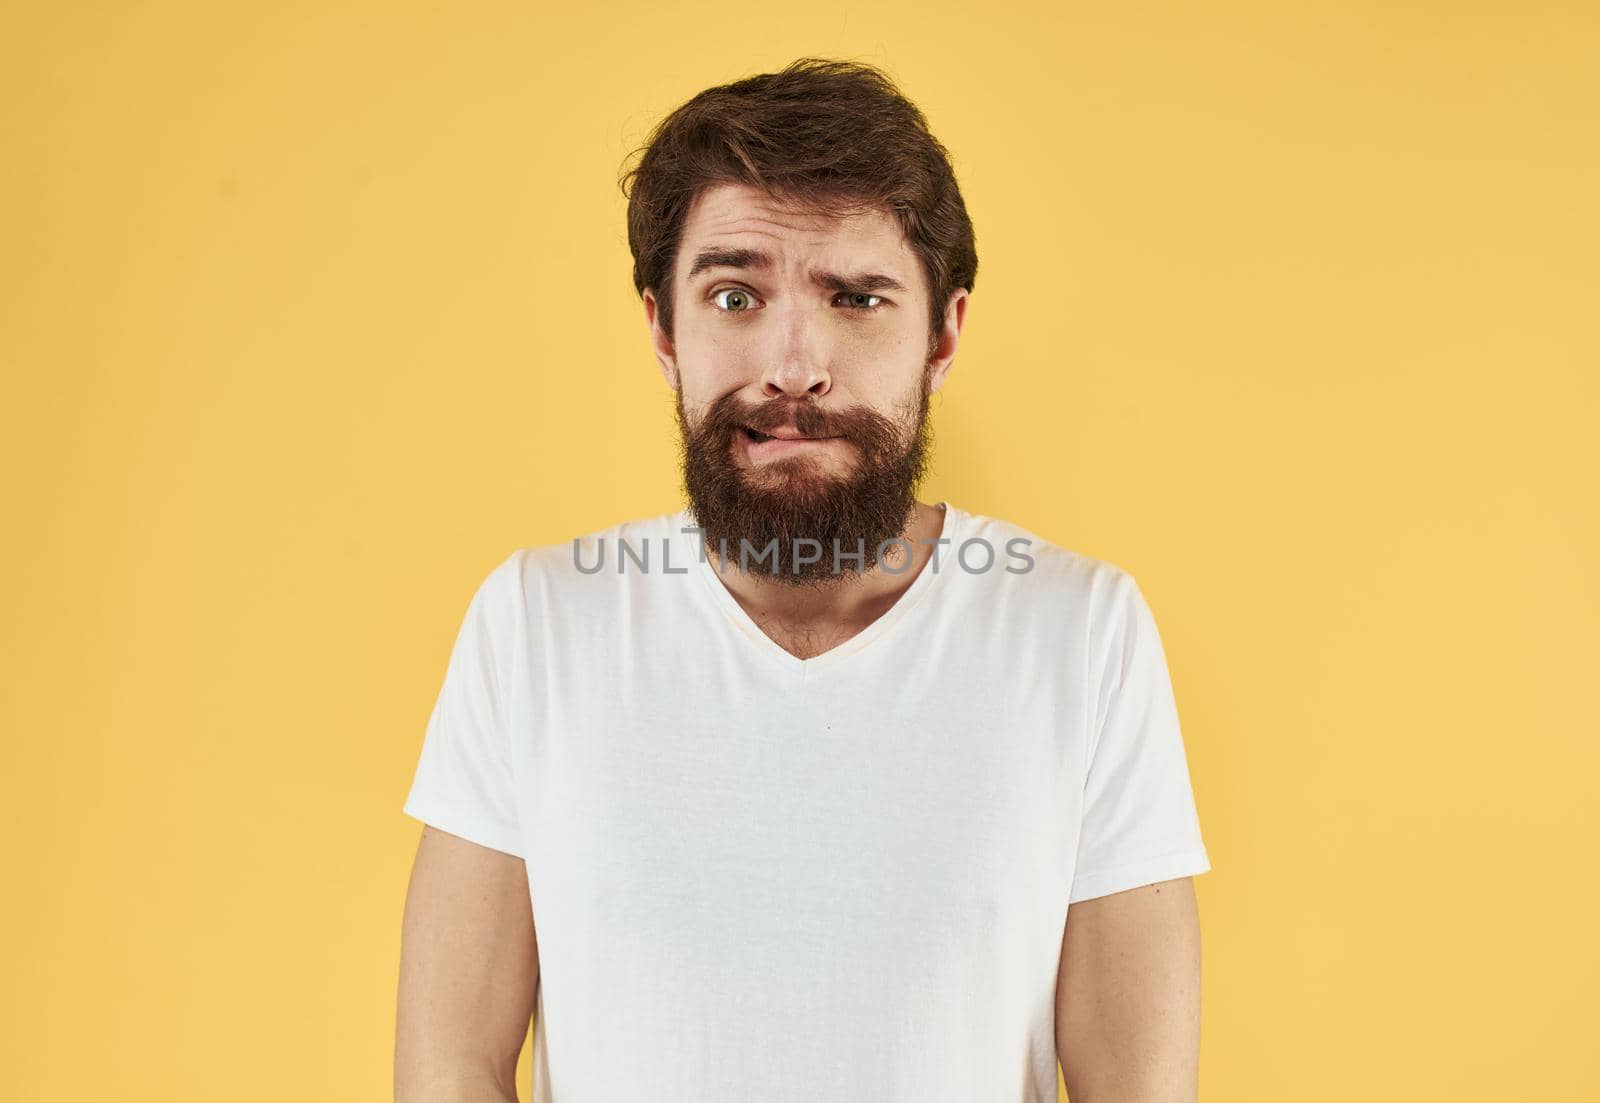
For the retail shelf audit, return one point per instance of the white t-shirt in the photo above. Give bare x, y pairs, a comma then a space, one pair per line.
756, 877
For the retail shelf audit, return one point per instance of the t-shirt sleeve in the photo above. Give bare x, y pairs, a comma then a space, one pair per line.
464, 781
1139, 821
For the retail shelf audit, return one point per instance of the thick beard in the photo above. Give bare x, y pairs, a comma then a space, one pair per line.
786, 501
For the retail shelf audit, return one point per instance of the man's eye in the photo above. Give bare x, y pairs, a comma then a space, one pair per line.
732, 299
862, 300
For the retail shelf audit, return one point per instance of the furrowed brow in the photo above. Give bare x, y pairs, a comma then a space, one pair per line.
865, 281
729, 258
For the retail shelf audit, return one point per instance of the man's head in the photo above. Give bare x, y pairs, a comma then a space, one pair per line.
805, 257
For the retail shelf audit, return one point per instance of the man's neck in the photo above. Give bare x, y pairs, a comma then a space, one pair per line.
837, 607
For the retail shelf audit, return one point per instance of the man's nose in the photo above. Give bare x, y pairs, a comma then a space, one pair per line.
799, 363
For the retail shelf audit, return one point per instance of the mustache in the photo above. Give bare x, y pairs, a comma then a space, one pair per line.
857, 424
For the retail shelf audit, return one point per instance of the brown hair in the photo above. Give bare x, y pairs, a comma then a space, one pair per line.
832, 137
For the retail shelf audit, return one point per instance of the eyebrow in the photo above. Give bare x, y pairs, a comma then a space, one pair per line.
714, 257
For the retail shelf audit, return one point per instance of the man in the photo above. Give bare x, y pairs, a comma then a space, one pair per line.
811, 790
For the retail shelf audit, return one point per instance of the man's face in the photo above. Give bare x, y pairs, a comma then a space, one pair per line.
802, 359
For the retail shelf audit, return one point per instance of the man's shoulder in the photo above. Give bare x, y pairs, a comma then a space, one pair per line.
633, 530
1036, 561
640, 544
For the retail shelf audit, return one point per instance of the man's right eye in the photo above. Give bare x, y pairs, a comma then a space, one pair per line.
733, 300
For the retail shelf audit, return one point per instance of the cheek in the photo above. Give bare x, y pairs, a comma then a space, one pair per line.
883, 368
714, 363
899, 347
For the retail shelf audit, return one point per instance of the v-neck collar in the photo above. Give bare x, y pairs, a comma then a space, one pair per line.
703, 565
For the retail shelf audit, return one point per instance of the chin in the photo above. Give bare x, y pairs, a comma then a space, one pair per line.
797, 476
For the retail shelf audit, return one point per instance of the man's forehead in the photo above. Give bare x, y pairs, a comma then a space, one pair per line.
727, 214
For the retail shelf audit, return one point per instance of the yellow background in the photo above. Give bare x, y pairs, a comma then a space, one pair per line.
312, 312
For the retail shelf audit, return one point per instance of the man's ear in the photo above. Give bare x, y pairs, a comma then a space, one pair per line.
943, 345
662, 344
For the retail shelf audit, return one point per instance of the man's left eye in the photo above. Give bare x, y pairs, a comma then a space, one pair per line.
860, 300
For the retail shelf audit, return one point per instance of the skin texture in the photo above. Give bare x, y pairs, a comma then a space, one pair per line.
469, 970
791, 337
1128, 996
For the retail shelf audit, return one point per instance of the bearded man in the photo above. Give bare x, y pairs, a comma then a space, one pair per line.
839, 795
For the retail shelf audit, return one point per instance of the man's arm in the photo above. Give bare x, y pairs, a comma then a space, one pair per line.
1128, 996
469, 968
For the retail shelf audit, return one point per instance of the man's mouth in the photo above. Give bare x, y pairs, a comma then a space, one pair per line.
759, 447
782, 434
